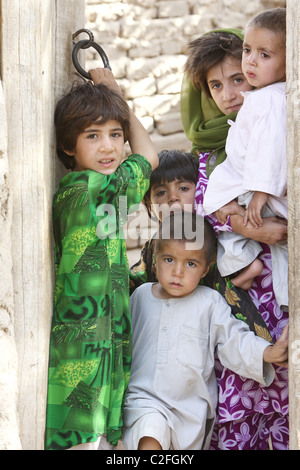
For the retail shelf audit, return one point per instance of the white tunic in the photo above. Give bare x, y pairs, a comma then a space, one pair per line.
256, 153
174, 344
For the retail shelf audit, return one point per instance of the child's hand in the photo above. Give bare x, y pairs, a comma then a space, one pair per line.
105, 76
231, 208
278, 354
139, 140
253, 213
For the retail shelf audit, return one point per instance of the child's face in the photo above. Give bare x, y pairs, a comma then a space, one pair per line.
178, 270
100, 148
264, 57
226, 81
172, 196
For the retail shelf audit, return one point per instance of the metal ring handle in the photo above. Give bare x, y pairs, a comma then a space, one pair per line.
88, 32
84, 44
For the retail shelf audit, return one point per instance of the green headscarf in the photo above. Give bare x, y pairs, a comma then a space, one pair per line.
203, 123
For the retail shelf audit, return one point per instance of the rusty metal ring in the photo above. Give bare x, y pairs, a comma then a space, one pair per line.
88, 32
84, 44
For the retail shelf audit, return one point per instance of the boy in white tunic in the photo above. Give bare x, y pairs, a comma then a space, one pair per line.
177, 328
255, 169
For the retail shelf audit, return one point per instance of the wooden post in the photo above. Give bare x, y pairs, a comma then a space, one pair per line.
9, 429
36, 67
293, 153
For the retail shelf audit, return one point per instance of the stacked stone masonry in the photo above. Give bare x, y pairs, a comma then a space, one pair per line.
146, 41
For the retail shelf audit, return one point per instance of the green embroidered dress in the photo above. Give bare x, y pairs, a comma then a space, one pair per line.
90, 343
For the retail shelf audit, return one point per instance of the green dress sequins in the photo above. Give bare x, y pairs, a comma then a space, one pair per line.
90, 343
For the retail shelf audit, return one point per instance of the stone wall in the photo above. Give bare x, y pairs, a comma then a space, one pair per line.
146, 40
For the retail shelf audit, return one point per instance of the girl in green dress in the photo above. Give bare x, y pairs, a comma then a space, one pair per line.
90, 343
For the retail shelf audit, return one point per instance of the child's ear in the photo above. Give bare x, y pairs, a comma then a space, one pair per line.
154, 267
71, 153
206, 270
150, 212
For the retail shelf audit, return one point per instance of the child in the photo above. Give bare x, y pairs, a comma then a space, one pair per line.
172, 186
249, 417
177, 327
90, 345
255, 167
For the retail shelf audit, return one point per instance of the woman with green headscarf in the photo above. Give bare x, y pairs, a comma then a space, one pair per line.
248, 414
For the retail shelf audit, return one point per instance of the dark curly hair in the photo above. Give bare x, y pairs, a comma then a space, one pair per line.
173, 165
188, 227
84, 105
207, 51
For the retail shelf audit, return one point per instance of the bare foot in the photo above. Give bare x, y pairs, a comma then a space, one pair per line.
245, 278
149, 443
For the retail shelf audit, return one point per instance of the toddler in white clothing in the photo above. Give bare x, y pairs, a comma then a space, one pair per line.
255, 169
177, 328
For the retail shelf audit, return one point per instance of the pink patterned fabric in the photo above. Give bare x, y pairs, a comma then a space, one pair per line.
248, 413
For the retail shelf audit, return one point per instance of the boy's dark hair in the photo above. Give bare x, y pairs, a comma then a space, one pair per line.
173, 165
84, 105
207, 51
274, 20
188, 227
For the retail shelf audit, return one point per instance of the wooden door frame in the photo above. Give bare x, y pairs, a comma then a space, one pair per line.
36, 69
